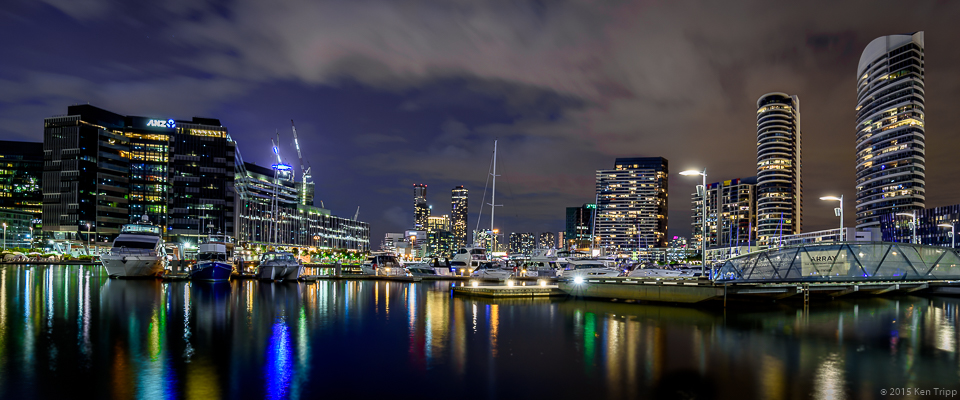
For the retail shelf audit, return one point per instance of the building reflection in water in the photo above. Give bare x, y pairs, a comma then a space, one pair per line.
146, 338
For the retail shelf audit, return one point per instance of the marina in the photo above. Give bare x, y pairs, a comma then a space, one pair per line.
249, 338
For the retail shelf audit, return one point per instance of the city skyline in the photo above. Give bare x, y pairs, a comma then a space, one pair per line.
372, 122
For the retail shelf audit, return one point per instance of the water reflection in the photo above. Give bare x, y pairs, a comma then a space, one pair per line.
150, 339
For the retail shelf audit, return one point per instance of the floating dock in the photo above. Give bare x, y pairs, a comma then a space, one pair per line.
509, 291
692, 290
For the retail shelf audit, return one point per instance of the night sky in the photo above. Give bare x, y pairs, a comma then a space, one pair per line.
390, 93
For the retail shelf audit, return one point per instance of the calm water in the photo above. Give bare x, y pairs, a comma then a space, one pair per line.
70, 331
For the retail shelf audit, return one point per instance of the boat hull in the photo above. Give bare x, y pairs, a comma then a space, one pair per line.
132, 266
212, 271
279, 272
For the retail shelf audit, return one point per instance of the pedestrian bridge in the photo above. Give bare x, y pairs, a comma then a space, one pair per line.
844, 261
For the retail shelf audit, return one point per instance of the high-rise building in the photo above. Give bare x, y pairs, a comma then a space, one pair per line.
731, 205
86, 174
522, 243
439, 237
890, 128
420, 210
177, 173
547, 240
632, 205
779, 183
579, 226
458, 213
21, 171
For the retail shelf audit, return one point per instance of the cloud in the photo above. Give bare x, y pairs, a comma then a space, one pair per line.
373, 139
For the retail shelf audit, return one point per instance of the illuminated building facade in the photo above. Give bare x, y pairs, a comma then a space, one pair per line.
440, 239
292, 224
21, 171
420, 210
458, 214
896, 228
546, 240
86, 173
890, 129
522, 242
632, 205
579, 225
165, 169
731, 213
779, 183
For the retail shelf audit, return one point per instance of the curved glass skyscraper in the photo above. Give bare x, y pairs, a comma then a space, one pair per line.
779, 187
890, 135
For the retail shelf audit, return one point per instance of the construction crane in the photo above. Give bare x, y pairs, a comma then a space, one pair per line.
307, 178
357, 215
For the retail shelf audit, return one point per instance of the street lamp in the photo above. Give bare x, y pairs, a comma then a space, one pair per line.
31, 238
703, 229
953, 238
913, 225
88, 238
838, 211
4, 235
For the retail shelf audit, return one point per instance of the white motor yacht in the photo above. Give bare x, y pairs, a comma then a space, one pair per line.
382, 263
589, 269
138, 251
468, 259
543, 263
491, 270
652, 272
279, 265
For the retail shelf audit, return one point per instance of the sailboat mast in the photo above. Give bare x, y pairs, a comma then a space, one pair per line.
493, 197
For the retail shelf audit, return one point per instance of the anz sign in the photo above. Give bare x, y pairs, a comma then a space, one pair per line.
159, 123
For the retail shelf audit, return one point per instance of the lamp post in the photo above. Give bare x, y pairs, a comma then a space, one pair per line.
913, 225
838, 211
31, 238
953, 238
4, 235
703, 229
88, 238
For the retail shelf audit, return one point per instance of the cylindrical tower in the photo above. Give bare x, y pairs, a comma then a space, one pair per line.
890, 134
779, 186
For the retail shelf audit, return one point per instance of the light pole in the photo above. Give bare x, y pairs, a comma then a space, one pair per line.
838, 211
913, 225
88, 238
703, 229
4, 235
31, 238
953, 238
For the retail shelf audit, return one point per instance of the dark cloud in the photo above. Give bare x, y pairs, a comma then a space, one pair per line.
391, 93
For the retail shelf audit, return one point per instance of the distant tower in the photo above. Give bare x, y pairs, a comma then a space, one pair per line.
421, 213
458, 211
890, 132
779, 185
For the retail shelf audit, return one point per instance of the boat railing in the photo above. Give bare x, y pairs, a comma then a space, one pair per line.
127, 251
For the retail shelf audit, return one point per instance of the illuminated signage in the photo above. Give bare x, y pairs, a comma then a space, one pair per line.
281, 167
159, 123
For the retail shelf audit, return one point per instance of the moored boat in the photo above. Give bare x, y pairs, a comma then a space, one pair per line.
213, 261
138, 251
279, 265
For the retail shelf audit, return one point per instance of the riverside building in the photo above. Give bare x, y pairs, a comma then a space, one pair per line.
21, 170
632, 205
270, 215
106, 170
779, 182
890, 129
546, 240
168, 170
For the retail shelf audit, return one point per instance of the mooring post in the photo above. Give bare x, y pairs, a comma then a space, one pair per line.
724, 295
